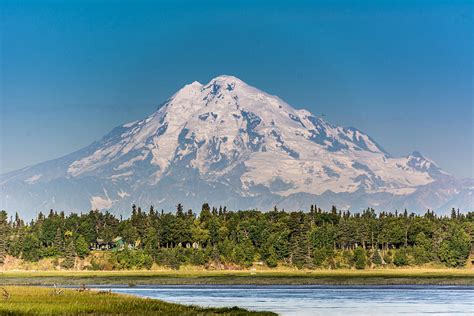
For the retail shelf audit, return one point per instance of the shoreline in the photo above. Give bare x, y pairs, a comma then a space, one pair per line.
264, 277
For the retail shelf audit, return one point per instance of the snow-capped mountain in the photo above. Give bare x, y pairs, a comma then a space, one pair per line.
228, 143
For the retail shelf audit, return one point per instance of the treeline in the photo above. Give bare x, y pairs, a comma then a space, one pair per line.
220, 238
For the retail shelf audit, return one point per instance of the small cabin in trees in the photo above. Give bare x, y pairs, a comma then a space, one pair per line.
116, 244
119, 244
100, 244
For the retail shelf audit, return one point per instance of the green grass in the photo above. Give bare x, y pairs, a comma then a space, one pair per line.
45, 301
267, 276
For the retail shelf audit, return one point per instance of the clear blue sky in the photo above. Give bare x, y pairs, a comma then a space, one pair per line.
403, 73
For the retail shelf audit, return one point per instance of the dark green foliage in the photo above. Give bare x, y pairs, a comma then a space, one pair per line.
218, 237
388, 257
31, 248
360, 258
455, 249
132, 259
377, 258
197, 257
422, 251
58, 242
3, 235
82, 248
321, 257
271, 259
70, 255
401, 257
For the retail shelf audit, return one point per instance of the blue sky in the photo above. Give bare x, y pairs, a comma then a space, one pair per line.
73, 70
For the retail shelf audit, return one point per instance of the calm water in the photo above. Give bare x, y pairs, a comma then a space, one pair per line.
320, 300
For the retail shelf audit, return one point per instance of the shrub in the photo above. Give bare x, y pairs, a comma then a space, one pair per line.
360, 258
401, 258
319, 257
387, 257
132, 259
377, 258
198, 257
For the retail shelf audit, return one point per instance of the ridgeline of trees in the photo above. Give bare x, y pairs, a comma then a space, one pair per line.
220, 238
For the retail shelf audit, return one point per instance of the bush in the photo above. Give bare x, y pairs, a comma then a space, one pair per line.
360, 258
377, 258
132, 259
172, 257
387, 257
347, 259
401, 258
95, 265
319, 257
197, 257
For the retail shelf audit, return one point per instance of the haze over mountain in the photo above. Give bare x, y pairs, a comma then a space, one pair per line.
228, 143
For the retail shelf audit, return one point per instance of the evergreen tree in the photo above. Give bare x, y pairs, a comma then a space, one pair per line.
31, 248
360, 258
423, 249
456, 248
400, 258
271, 259
205, 214
3, 236
323, 238
58, 242
81, 247
179, 210
377, 258
69, 255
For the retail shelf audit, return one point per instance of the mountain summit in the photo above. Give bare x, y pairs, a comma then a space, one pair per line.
228, 143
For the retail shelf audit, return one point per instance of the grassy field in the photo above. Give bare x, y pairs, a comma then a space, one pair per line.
265, 276
25, 300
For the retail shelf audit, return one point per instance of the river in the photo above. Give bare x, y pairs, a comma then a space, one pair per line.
319, 300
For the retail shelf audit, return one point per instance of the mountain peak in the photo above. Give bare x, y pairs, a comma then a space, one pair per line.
227, 83
417, 154
419, 162
226, 79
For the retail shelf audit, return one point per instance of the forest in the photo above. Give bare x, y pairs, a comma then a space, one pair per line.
221, 239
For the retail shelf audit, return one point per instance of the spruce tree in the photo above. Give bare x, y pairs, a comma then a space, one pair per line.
58, 242
377, 258
69, 256
360, 258
81, 247
3, 236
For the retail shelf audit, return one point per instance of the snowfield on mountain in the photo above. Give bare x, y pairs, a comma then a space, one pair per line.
228, 143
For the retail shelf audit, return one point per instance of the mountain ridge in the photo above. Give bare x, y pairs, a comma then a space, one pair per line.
228, 142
